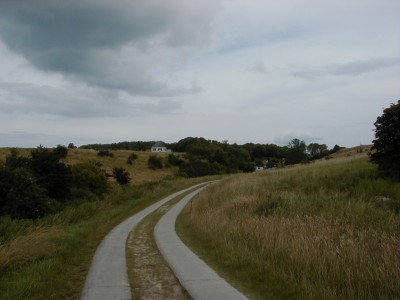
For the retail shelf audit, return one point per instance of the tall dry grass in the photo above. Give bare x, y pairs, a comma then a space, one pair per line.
311, 232
31, 246
139, 171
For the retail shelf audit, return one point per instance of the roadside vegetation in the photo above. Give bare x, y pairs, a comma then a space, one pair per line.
326, 230
49, 258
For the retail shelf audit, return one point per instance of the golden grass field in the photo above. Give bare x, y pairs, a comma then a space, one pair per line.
315, 231
139, 171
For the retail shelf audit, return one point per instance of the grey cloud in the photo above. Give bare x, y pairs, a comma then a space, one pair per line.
29, 99
84, 39
353, 68
23, 98
158, 107
257, 67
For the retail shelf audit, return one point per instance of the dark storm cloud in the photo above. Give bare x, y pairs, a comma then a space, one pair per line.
112, 44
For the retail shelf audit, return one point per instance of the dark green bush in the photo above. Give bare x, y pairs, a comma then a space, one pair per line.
50, 173
103, 153
197, 168
89, 178
20, 195
154, 162
247, 167
121, 175
131, 158
13, 160
60, 151
174, 160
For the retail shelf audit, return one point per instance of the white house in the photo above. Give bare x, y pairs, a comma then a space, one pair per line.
159, 147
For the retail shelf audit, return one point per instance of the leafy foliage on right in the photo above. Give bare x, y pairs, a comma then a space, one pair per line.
387, 142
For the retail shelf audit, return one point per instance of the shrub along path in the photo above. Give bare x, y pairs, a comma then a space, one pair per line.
107, 277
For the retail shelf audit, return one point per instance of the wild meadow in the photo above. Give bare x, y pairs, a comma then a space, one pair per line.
325, 230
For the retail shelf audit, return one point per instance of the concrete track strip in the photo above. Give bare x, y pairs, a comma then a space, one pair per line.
200, 281
108, 277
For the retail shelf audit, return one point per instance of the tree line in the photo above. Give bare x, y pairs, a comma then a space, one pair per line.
209, 157
295, 152
134, 146
213, 157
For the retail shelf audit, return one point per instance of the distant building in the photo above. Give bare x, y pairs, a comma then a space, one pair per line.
159, 147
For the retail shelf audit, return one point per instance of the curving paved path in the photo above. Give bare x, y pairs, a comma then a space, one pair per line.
108, 276
200, 281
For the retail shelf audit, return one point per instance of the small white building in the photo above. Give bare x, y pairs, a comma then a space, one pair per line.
159, 147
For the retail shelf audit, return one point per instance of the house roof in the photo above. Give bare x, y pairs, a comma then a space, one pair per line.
158, 144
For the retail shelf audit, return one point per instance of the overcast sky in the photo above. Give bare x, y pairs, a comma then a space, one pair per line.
97, 71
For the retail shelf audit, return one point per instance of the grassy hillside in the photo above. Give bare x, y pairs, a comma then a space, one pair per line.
140, 173
326, 230
49, 258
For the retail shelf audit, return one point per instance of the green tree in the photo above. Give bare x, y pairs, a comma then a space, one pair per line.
174, 160
20, 195
198, 168
296, 152
259, 151
60, 151
386, 145
335, 149
88, 178
51, 174
316, 150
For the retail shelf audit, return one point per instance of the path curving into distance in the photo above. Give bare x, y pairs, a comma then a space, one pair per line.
199, 280
108, 275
